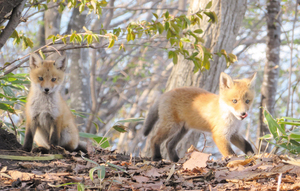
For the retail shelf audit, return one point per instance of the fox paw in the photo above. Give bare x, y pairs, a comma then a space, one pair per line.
156, 158
42, 150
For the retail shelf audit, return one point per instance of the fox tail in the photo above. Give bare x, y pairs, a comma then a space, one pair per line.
151, 119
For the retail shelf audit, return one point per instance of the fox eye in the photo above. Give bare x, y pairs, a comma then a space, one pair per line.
41, 78
234, 101
53, 79
247, 101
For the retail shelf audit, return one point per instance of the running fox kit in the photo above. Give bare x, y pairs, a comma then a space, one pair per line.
49, 121
189, 107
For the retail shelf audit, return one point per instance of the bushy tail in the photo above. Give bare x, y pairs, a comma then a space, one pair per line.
151, 119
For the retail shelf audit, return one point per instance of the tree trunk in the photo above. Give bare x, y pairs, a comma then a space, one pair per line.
217, 36
79, 75
52, 20
271, 69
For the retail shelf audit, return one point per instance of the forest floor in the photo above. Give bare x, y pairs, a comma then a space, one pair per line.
108, 170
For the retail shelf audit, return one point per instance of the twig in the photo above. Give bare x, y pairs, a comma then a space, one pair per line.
204, 145
146, 9
291, 63
279, 182
12, 122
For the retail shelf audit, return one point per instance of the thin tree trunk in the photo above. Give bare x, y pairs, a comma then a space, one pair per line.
52, 20
217, 36
79, 76
271, 69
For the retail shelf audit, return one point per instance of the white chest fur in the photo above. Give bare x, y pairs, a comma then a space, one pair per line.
44, 106
231, 123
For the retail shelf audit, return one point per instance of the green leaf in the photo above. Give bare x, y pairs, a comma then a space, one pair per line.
89, 39
212, 15
6, 107
175, 27
167, 15
42, 54
295, 135
29, 42
81, 7
155, 15
199, 15
8, 91
185, 40
80, 186
99, 118
232, 58
64, 40
72, 37
198, 31
100, 171
131, 120
175, 58
115, 166
267, 136
100, 140
291, 118
103, 142
50, 37
120, 128
160, 28
170, 54
78, 38
273, 126
209, 4
111, 42
167, 26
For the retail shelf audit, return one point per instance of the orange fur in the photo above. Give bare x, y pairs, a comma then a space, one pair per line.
48, 118
194, 108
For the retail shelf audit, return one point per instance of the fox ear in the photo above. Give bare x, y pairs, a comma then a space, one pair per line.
34, 61
252, 80
225, 81
60, 63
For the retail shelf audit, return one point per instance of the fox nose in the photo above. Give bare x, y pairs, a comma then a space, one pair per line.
46, 90
244, 113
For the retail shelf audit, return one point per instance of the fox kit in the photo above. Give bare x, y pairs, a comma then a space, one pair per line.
189, 107
48, 118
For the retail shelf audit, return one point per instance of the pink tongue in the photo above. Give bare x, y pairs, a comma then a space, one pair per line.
244, 116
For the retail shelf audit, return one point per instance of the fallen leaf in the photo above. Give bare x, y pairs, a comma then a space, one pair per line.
264, 167
171, 173
197, 159
3, 169
236, 163
152, 172
192, 149
23, 176
141, 179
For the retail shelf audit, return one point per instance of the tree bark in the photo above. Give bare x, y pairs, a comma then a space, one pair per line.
6, 7
271, 69
79, 75
52, 20
217, 36
12, 23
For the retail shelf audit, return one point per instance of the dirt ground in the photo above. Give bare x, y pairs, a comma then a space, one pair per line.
108, 170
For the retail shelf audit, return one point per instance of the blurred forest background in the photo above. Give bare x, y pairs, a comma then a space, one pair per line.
112, 78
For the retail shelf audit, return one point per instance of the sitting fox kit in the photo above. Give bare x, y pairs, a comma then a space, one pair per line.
189, 107
49, 121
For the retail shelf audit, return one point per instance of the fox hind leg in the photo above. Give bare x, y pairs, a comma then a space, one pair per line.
172, 143
164, 130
